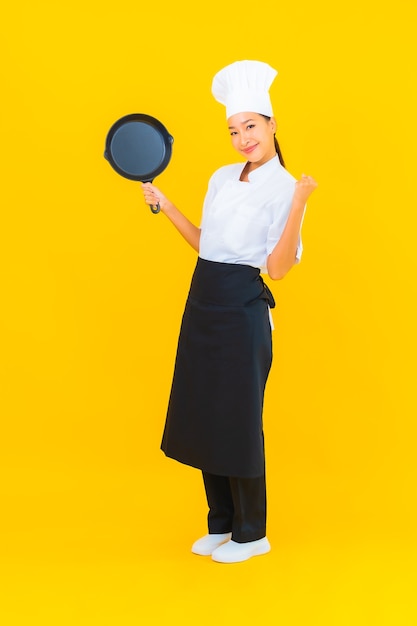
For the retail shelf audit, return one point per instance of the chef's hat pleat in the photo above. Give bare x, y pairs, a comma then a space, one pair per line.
244, 86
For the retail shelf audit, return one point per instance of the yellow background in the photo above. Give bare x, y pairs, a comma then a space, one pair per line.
96, 523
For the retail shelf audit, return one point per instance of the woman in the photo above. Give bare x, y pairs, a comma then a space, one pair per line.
252, 219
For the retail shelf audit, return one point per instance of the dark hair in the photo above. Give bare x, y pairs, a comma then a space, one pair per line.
277, 148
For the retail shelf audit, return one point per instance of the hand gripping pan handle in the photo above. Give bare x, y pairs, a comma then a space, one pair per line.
139, 147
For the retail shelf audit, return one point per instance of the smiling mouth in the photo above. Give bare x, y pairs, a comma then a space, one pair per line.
250, 149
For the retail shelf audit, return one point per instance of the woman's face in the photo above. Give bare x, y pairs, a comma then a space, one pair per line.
253, 136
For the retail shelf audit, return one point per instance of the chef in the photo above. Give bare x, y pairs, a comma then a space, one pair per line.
251, 224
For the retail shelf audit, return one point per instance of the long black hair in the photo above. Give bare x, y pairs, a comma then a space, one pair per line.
277, 148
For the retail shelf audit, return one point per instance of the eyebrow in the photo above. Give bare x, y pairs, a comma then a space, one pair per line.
245, 122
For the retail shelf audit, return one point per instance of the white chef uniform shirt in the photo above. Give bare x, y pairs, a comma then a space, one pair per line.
243, 221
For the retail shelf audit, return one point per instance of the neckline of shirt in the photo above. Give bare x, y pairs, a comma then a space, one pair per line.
261, 172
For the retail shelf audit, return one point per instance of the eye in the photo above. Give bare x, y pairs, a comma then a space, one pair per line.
233, 133
249, 126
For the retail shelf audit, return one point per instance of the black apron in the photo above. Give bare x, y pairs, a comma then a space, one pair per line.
214, 419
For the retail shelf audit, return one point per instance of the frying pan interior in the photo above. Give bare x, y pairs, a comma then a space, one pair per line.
139, 148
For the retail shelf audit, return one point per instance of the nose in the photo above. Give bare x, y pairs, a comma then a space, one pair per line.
244, 139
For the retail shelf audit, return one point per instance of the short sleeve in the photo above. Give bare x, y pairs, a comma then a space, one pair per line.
212, 189
210, 193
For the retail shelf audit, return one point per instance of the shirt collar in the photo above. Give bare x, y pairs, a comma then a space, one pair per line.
262, 172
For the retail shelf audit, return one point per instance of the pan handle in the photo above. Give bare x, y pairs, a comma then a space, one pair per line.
154, 208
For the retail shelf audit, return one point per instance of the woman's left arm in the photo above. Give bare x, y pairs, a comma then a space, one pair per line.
282, 257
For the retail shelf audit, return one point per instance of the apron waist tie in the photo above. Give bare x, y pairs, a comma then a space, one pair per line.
270, 299
267, 294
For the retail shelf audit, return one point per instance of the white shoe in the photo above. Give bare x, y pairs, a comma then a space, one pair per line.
208, 543
233, 552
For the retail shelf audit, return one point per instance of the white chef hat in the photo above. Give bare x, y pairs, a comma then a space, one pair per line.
244, 86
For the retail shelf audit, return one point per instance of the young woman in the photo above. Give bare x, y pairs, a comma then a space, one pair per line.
251, 223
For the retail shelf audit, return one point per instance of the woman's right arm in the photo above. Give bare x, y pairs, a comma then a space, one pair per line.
191, 233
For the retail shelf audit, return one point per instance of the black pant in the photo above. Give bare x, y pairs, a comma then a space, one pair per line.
236, 505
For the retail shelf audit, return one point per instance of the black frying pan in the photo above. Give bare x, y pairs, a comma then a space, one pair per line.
139, 147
